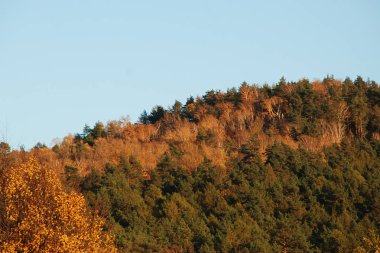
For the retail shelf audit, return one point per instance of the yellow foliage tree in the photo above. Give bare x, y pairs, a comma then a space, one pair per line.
40, 216
370, 243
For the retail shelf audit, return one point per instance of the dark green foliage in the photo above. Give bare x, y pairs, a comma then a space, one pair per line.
144, 117
39, 145
295, 201
89, 134
156, 114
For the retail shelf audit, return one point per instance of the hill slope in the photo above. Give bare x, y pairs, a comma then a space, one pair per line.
293, 167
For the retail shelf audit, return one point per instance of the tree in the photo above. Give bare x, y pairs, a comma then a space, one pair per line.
335, 130
99, 130
4, 148
176, 109
144, 118
41, 217
5, 151
357, 100
156, 114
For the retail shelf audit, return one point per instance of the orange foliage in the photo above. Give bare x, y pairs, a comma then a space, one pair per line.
213, 130
42, 217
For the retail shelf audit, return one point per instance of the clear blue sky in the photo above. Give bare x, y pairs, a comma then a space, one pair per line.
67, 63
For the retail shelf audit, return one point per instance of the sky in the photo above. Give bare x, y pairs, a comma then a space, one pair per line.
64, 64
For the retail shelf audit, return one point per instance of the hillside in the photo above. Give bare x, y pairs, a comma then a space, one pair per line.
303, 114
293, 167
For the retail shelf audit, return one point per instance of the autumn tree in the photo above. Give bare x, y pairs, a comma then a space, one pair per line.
40, 216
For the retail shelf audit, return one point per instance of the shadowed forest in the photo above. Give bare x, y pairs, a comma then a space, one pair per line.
291, 167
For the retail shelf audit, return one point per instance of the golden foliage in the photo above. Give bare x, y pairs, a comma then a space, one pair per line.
206, 129
42, 217
370, 243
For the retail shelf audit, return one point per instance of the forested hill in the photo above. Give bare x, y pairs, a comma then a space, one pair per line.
293, 167
217, 125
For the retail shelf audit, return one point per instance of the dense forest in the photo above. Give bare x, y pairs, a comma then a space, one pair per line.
291, 167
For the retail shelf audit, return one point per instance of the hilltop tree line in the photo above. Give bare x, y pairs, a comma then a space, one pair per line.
292, 167
311, 115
